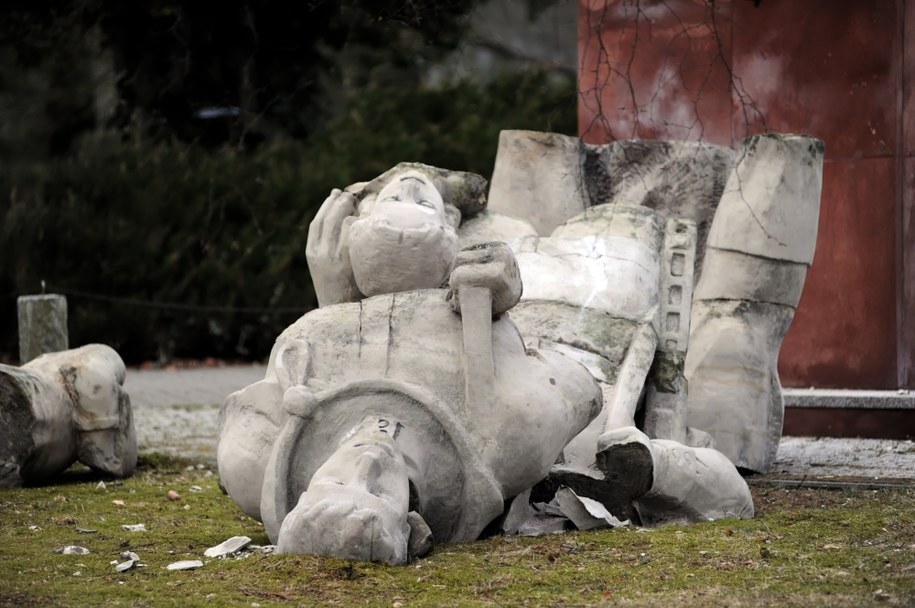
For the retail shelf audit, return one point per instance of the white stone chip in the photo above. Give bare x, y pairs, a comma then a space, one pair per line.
72, 550
187, 564
228, 547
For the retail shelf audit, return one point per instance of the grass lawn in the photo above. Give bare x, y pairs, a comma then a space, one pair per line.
806, 547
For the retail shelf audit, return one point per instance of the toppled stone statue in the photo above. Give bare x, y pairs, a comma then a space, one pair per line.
409, 406
65, 407
417, 410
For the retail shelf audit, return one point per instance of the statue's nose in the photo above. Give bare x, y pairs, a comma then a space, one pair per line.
412, 189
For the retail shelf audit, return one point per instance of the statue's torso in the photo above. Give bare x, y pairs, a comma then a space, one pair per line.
539, 402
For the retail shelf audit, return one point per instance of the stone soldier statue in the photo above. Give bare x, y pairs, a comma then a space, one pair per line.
414, 408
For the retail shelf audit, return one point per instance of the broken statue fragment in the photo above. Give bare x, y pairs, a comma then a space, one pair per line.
62, 407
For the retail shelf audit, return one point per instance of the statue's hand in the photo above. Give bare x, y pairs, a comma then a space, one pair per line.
491, 266
327, 251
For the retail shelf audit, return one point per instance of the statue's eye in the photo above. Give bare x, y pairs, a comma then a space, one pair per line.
393, 197
425, 203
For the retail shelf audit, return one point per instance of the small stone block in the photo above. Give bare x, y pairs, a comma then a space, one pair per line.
42, 325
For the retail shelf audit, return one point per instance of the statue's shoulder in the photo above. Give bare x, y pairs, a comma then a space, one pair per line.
326, 315
350, 316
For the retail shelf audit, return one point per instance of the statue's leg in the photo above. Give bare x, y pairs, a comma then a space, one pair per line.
671, 482
94, 405
616, 477
759, 247
624, 396
692, 485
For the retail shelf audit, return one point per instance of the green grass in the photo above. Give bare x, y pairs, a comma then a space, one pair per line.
805, 548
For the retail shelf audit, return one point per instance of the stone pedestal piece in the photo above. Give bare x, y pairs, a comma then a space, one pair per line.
538, 177
547, 178
42, 325
62, 407
759, 248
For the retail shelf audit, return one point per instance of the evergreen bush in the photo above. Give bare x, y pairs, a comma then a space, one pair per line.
169, 250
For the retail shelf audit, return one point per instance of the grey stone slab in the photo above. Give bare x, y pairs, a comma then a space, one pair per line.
852, 399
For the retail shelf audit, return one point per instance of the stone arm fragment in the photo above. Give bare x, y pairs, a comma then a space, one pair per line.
624, 397
327, 252
485, 282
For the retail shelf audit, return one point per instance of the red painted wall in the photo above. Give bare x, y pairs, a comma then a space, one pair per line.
834, 69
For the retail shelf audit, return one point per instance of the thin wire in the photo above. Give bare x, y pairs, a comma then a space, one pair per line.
173, 305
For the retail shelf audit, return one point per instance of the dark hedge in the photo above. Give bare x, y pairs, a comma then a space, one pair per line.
157, 244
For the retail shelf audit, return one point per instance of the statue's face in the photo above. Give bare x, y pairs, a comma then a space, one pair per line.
368, 462
404, 241
357, 501
412, 199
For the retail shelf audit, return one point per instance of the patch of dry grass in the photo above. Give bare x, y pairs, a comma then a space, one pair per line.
805, 548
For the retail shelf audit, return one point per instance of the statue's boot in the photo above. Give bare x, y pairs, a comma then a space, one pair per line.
670, 482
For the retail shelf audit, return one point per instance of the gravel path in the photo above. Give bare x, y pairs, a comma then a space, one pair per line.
826, 457
175, 412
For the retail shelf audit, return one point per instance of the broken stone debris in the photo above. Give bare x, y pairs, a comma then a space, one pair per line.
187, 564
228, 547
72, 550
566, 511
586, 513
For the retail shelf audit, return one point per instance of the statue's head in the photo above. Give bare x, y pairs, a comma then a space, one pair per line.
405, 238
357, 501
